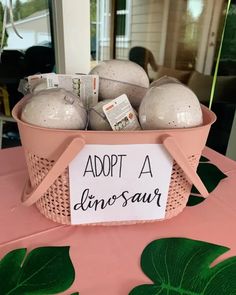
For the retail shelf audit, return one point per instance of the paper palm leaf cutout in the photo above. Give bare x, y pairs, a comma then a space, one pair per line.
45, 270
210, 176
179, 266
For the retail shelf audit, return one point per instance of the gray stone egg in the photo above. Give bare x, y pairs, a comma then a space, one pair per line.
170, 105
117, 77
97, 118
55, 108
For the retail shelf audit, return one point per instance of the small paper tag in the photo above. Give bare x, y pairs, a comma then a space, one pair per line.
121, 115
84, 86
23, 86
42, 82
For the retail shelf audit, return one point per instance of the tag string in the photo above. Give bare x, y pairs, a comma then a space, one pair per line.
218, 58
8, 8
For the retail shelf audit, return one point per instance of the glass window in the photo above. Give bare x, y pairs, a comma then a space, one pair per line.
32, 54
120, 24
122, 20
178, 38
228, 55
110, 24
31, 19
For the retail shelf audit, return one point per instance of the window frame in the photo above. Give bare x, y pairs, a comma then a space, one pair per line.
105, 14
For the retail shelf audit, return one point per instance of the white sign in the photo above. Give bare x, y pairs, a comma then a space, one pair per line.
119, 183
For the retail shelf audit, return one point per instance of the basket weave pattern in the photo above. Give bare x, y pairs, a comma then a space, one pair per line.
55, 203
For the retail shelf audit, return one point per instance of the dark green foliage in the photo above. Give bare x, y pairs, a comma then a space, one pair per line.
45, 270
210, 176
179, 266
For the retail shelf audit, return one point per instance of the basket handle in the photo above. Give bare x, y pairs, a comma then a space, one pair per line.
31, 195
178, 155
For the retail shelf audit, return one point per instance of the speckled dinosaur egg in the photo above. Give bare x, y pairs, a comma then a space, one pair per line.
170, 105
55, 108
117, 77
97, 118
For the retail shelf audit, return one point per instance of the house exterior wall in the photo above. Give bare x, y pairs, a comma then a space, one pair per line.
146, 25
146, 28
33, 31
176, 9
171, 30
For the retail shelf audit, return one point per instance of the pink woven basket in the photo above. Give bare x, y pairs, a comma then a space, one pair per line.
49, 151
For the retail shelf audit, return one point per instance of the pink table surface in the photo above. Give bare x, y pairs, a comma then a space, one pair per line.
106, 258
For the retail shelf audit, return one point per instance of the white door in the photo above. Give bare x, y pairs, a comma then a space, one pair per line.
208, 41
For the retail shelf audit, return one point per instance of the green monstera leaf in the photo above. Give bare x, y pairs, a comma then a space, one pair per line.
45, 270
210, 176
180, 266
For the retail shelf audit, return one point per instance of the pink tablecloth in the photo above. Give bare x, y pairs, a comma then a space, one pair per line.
106, 259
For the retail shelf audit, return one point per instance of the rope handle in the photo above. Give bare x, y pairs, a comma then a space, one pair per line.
31, 195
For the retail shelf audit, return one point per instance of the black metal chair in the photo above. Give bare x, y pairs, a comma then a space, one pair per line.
12, 64
39, 59
11, 71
